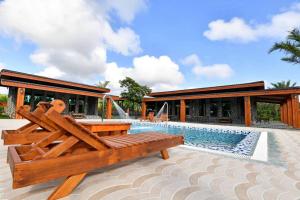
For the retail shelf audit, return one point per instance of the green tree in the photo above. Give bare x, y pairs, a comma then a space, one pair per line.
133, 93
291, 47
3, 98
268, 111
283, 84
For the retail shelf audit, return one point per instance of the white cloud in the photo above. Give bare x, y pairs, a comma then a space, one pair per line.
127, 9
124, 41
215, 71
235, 29
71, 36
51, 72
238, 30
159, 73
192, 59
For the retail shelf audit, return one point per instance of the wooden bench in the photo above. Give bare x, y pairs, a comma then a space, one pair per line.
79, 152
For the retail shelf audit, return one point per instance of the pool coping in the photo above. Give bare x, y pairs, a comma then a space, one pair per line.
260, 151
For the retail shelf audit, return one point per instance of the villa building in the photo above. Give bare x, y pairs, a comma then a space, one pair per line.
30, 89
234, 104
225, 104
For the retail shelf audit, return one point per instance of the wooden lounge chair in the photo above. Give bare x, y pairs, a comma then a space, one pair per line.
80, 152
40, 127
37, 128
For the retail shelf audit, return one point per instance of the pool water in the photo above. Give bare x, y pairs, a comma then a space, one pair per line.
239, 142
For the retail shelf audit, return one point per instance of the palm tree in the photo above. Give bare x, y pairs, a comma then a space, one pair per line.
291, 47
102, 84
283, 84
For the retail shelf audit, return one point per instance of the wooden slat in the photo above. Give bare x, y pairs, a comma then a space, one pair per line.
137, 139
50, 138
37, 120
61, 148
11, 137
75, 129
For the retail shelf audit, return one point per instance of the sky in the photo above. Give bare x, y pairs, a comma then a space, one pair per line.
166, 45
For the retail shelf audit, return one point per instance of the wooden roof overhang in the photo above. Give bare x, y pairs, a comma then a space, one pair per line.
272, 94
10, 83
34, 79
259, 85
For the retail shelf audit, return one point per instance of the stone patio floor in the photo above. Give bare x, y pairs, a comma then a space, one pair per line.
188, 174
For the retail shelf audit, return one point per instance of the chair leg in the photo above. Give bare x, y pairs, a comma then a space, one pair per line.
164, 154
67, 186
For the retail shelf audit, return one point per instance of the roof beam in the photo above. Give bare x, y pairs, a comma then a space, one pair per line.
227, 95
9, 83
15, 74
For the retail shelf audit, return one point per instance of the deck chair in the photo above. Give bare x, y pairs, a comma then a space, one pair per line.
81, 152
40, 127
37, 128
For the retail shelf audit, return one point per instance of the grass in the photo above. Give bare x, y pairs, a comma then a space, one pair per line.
3, 116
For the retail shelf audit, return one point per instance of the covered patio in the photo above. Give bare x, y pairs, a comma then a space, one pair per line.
220, 106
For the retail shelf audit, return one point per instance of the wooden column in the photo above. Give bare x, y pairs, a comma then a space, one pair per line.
247, 106
281, 113
144, 109
108, 108
285, 114
20, 100
295, 108
289, 111
182, 110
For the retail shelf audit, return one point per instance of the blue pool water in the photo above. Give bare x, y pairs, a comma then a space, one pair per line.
238, 142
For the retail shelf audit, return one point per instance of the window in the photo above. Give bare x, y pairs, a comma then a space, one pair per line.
226, 109
201, 108
27, 99
177, 107
49, 97
72, 104
213, 109
188, 107
81, 105
187, 110
36, 100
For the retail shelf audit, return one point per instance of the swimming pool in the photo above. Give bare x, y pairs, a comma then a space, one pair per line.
230, 141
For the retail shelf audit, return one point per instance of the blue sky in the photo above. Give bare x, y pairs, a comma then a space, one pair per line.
195, 43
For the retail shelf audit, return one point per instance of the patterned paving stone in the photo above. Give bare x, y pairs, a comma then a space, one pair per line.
188, 174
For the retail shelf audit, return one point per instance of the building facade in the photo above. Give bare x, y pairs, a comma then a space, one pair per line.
234, 104
28, 89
